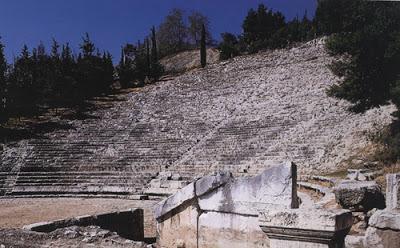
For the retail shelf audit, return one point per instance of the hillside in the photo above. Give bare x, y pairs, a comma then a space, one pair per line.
188, 60
239, 115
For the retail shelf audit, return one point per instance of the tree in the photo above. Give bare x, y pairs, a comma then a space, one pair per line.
229, 46
196, 23
154, 51
126, 67
156, 69
172, 33
368, 38
87, 46
3, 84
259, 28
203, 49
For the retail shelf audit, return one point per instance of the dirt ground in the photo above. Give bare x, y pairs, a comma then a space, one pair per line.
15, 213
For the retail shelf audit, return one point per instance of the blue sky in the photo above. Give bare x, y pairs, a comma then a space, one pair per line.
112, 23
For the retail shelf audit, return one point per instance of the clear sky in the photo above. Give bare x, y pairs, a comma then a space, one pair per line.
112, 23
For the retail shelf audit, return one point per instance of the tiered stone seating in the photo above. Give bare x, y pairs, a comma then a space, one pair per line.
240, 115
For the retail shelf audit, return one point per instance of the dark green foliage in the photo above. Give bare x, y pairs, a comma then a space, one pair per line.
203, 49
40, 80
260, 26
94, 74
367, 35
265, 29
3, 71
229, 46
371, 38
126, 67
139, 64
156, 69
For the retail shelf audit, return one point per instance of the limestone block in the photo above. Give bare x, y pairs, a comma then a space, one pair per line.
380, 238
180, 230
230, 230
155, 183
177, 184
386, 219
176, 177
208, 183
353, 241
357, 195
359, 174
393, 191
174, 201
246, 195
307, 219
301, 228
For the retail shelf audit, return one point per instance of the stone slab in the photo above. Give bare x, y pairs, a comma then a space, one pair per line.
378, 238
230, 230
331, 220
359, 195
208, 183
179, 230
386, 219
393, 191
246, 195
174, 201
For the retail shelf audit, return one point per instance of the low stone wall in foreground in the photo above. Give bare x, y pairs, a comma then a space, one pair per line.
128, 224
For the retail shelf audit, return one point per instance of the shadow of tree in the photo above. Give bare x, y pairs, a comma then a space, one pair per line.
31, 130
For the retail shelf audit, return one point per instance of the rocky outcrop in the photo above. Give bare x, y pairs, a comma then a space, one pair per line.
384, 225
359, 196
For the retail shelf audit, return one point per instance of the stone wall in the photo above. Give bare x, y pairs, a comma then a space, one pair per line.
220, 211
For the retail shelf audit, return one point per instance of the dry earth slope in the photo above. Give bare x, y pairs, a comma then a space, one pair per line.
238, 115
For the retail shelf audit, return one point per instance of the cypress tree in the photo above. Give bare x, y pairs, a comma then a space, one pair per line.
156, 69
148, 61
154, 53
203, 50
3, 84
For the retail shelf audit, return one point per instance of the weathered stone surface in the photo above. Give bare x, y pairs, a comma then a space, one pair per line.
208, 183
307, 219
174, 201
356, 195
386, 219
246, 195
230, 230
353, 241
362, 174
379, 238
393, 191
218, 211
179, 229
305, 228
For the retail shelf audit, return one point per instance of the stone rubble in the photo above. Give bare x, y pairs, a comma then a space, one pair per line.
359, 196
69, 237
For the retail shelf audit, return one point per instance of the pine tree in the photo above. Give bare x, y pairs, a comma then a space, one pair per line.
88, 48
368, 35
203, 49
154, 52
229, 46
